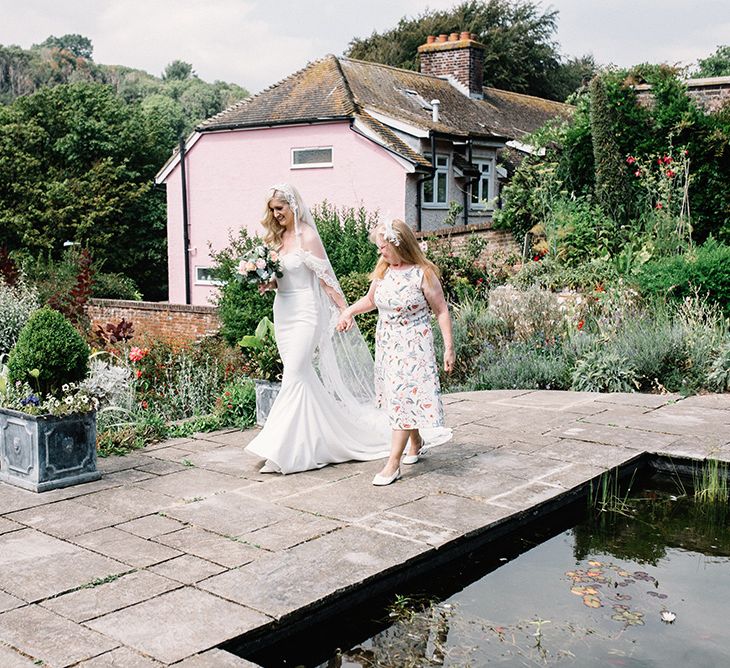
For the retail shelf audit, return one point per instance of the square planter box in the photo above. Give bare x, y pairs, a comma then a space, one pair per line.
266, 393
42, 452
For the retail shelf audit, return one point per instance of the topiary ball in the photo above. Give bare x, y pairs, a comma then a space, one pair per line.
49, 343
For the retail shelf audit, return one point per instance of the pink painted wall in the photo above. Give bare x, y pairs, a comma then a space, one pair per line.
229, 172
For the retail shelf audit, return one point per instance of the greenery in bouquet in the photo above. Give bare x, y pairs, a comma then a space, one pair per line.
262, 360
260, 265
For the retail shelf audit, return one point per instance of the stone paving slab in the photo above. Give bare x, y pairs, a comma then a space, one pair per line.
185, 545
45, 635
35, 566
91, 602
280, 583
194, 620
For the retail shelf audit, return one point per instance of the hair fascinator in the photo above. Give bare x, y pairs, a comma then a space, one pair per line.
389, 233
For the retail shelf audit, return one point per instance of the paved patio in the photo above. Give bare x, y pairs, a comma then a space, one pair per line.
183, 545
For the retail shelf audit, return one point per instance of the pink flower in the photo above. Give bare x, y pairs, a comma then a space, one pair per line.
136, 354
273, 256
260, 263
138, 373
667, 160
249, 266
670, 173
631, 160
637, 172
659, 205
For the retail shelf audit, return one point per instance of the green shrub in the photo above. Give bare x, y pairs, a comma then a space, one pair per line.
582, 231
345, 236
240, 306
522, 366
604, 371
236, 404
356, 285
705, 269
655, 343
51, 345
17, 303
114, 286
718, 378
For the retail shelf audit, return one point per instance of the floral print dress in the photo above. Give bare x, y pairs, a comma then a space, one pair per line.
406, 375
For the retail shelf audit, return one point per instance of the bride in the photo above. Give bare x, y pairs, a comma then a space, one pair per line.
325, 411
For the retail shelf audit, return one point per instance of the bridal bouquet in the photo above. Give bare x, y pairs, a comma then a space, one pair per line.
260, 265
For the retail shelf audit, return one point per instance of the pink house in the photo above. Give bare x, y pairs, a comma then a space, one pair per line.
403, 143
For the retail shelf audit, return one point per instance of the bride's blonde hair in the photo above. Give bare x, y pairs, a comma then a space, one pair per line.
402, 240
274, 230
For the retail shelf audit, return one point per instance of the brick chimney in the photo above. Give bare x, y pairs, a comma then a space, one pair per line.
458, 55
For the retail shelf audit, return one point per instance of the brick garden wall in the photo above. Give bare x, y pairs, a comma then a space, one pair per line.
710, 94
157, 319
499, 242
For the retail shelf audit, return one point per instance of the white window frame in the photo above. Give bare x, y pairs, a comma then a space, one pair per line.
205, 281
482, 197
441, 169
313, 165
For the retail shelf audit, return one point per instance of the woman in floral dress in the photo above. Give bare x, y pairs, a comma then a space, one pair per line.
406, 290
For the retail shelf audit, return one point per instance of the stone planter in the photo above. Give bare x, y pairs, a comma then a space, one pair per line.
42, 452
266, 392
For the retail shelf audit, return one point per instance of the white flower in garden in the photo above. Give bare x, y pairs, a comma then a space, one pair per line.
667, 616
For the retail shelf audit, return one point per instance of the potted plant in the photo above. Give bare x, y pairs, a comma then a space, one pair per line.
47, 418
264, 366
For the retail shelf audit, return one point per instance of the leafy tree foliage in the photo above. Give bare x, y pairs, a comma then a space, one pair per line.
715, 65
520, 54
80, 46
178, 69
80, 144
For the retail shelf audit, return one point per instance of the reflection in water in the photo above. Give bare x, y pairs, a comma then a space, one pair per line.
646, 586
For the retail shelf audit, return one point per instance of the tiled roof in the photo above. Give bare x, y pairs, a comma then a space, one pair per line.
317, 92
390, 140
341, 88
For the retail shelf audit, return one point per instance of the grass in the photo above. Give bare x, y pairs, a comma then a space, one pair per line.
711, 482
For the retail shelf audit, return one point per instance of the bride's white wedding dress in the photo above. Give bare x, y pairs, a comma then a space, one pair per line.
319, 417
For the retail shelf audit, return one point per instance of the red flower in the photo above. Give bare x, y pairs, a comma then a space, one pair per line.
637, 172
685, 152
480, 281
139, 373
631, 160
144, 404
659, 205
580, 324
670, 173
600, 288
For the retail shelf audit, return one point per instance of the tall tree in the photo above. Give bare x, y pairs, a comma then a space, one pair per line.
79, 45
520, 55
715, 65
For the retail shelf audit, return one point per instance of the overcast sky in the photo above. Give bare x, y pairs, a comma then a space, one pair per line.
255, 43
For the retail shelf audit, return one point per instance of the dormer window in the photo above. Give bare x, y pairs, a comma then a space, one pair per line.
417, 98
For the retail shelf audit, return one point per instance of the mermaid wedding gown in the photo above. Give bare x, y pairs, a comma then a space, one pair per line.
324, 412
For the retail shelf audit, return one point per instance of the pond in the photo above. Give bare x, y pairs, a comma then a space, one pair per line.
641, 581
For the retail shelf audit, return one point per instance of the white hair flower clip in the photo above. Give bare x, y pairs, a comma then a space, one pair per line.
390, 235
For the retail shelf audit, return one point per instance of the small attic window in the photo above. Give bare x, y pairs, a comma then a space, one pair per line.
417, 97
314, 156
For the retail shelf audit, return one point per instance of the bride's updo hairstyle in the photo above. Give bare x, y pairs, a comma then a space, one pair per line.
402, 240
284, 193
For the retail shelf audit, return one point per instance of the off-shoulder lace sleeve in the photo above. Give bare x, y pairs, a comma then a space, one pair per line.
322, 270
